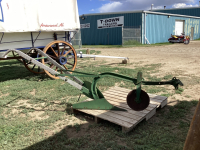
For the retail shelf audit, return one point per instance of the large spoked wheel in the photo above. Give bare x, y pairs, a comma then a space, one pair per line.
63, 53
16, 55
32, 67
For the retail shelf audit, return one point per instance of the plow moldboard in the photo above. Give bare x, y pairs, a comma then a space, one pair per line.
129, 119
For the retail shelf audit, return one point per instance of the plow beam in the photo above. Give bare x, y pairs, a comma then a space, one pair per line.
137, 99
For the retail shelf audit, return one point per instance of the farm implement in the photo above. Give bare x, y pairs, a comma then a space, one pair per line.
54, 63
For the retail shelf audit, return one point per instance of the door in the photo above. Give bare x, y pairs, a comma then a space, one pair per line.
192, 33
179, 27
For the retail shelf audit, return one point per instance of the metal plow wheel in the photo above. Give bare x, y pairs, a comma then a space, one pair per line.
31, 66
134, 104
63, 53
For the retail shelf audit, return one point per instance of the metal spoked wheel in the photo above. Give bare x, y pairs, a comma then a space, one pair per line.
32, 67
16, 55
63, 53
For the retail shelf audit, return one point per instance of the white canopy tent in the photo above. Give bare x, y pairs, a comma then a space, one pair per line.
34, 23
38, 15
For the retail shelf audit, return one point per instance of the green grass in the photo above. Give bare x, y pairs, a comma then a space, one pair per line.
131, 44
158, 133
101, 46
94, 52
34, 112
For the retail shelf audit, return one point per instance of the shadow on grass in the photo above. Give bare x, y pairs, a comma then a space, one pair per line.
18, 72
166, 130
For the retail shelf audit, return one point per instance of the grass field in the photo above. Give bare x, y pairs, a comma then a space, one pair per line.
35, 114
127, 45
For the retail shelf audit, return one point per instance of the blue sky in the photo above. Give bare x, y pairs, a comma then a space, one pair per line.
102, 6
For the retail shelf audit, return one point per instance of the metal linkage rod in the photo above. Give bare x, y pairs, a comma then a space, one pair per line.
98, 56
34, 61
175, 82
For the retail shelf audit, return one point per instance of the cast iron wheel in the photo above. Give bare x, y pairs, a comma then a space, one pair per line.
63, 53
32, 67
131, 100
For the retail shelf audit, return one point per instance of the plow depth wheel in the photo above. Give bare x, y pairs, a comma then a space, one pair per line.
32, 67
144, 100
63, 53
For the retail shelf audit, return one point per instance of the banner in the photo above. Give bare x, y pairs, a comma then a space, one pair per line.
86, 25
110, 22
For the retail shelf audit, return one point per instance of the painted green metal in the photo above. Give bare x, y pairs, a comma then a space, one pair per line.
99, 101
40, 58
175, 82
100, 104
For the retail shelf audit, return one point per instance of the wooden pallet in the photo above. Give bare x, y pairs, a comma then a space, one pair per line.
127, 120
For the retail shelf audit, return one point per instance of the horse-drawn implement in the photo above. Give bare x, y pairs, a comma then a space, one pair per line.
45, 40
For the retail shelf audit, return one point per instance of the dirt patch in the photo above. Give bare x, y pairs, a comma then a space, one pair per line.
23, 103
4, 95
74, 126
37, 115
16, 111
33, 92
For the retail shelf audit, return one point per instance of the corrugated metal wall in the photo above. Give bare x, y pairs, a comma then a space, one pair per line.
188, 12
107, 36
159, 27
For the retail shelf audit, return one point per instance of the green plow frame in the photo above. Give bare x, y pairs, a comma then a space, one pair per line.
98, 100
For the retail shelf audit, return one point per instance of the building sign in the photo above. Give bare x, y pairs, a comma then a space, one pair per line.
86, 25
110, 22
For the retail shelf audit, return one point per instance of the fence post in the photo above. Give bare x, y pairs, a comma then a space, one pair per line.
122, 35
140, 34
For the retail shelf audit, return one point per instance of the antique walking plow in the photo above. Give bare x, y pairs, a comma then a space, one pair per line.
137, 99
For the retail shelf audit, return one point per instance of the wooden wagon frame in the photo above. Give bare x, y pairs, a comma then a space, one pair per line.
52, 37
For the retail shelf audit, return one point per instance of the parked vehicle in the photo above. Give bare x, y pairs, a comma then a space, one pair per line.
179, 39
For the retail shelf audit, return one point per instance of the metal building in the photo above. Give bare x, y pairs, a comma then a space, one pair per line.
154, 27
190, 11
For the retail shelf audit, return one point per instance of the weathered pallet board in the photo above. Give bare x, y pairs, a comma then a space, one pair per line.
127, 120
